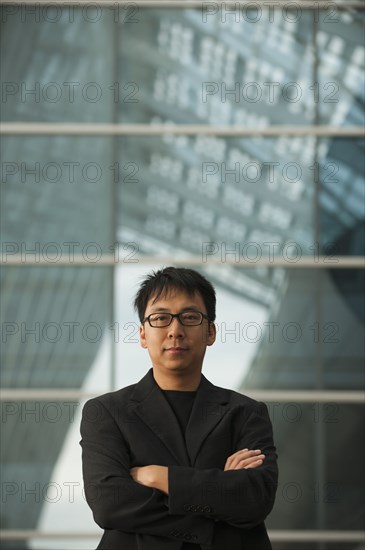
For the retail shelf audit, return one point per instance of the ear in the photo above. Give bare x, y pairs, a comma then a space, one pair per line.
212, 333
142, 337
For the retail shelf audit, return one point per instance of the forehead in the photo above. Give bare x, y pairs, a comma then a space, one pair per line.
176, 299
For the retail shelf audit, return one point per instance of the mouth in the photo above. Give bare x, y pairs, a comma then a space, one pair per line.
176, 350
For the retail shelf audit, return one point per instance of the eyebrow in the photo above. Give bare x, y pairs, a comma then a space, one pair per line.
188, 308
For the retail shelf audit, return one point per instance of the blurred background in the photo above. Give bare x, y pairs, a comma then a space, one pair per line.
223, 137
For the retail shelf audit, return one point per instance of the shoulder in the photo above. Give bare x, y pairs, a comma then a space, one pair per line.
234, 396
240, 401
116, 396
110, 403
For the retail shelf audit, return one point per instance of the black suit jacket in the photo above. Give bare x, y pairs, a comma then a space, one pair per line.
135, 426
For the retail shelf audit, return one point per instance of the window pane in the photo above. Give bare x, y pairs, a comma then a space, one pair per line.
340, 90
342, 196
315, 490
56, 327
314, 333
178, 194
61, 73
41, 470
56, 198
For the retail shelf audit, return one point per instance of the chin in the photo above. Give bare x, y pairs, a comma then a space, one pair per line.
176, 366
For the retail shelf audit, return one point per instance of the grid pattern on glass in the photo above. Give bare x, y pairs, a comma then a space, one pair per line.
178, 41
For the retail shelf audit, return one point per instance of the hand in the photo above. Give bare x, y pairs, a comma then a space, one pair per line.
152, 476
244, 459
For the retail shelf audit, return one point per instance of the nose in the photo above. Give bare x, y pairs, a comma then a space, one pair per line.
176, 329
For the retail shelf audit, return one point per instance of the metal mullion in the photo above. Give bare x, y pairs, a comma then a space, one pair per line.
114, 215
320, 262
319, 428
276, 535
313, 535
185, 4
282, 396
123, 129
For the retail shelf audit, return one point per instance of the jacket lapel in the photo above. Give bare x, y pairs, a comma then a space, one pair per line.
210, 405
154, 410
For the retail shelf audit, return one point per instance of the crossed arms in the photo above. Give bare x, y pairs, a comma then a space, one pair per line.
153, 499
157, 476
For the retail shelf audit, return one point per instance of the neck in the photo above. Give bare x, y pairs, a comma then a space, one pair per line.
177, 381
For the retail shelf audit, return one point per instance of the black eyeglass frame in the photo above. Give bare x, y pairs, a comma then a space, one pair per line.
172, 315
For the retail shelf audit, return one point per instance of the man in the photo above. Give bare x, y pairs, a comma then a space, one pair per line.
175, 462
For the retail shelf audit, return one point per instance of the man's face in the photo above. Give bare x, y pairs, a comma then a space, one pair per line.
177, 348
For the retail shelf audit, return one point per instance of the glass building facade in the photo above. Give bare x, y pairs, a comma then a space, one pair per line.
225, 137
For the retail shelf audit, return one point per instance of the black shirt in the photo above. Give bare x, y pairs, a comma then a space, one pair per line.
181, 403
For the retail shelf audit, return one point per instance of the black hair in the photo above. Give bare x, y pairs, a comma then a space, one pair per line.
160, 283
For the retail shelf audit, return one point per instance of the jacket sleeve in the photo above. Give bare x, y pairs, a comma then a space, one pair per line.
116, 500
242, 498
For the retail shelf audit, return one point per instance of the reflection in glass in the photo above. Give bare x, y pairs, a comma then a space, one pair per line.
314, 337
315, 490
341, 176
217, 198
340, 87
54, 322
61, 73
252, 67
57, 196
34, 432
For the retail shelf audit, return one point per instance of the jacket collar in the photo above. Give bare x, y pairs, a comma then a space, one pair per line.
210, 406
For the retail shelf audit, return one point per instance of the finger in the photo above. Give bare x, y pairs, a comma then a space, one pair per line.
243, 463
254, 464
232, 462
248, 461
243, 453
234, 459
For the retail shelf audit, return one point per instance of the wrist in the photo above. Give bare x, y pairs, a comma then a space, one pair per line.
162, 479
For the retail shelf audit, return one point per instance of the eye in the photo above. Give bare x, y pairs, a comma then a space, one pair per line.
160, 317
191, 316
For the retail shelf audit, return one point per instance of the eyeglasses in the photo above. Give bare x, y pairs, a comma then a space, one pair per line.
186, 318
